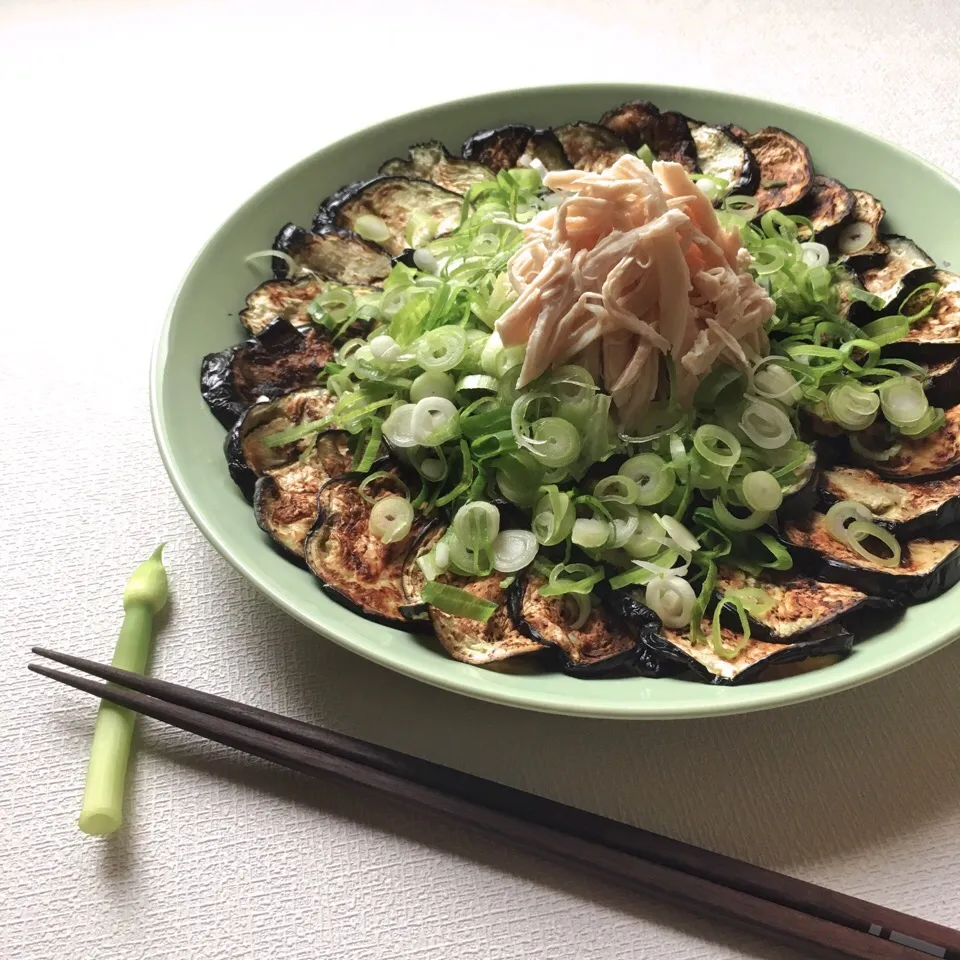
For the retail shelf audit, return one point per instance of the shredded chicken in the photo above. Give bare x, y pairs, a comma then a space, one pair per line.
630, 267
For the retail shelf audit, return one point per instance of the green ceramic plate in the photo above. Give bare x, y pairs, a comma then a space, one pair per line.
922, 203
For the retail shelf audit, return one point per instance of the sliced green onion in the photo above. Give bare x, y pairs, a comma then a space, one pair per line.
852, 406
672, 599
754, 600
926, 308
457, 602
553, 517
338, 303
653, 478
556, 442
761, 491
755, 519
765, 424
904, 401
646, 154
441, 349
863, 449
716, 633
478, 381
648, 539
378, 475
741, 206
370, 449
617, 488
861, 533
432, 384
571, 578
466, 477
717, 446
679, 458
591, 533
477, 524
886, 330
434, 421
841, 514
514, 550
774, 382
391, 519
398, 427
493, 445
780, 556
371, 227
518, 476
932, 421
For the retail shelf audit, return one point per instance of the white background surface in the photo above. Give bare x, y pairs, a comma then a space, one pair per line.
130, 131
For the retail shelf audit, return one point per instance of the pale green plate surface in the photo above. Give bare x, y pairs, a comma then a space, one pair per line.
922, 203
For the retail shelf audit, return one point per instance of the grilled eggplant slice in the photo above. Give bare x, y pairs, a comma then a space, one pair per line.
937, 335
908, 509
285, 500
721, 153
468, 641
869, 210
515, 145
291, 299
288, 299
649, 661
248, 457
943, 382
353, 566
334, 254
666, 134
927, 567
828, 205
432, 161
604, 642
736, 130
279, 360
932, 456
395, 200
799, 603
754, 658
786, 170
590, 146
904, 266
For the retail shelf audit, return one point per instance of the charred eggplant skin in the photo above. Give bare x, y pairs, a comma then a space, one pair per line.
323, 517
650, 659
222, 386
515, 606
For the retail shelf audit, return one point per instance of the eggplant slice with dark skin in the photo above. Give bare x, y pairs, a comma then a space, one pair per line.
937, 335
470, 641
721, 153
640, 123
590, 147
904, 267
755, 658
906, 508
354, 567
291, 299
432, 161
281, 359
927, 567
332, 254
943, 382
395, 200
604, 642
247, 455
515, 145
786, 170
285, 500
932, 456
828, 206
800, 604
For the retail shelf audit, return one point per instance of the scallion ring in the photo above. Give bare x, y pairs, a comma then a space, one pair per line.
391, 519
654, 479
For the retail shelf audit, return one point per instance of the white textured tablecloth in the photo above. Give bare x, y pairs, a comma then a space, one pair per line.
130, 131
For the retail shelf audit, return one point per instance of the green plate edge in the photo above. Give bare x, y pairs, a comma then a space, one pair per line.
925, 203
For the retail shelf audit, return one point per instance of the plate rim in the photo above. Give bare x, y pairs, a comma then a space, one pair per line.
735, 699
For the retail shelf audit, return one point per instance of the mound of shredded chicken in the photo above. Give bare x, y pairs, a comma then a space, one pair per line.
632, 266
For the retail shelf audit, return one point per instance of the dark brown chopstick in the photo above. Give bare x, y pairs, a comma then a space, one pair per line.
709, 883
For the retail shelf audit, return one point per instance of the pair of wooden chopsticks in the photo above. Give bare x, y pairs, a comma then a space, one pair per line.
710, 884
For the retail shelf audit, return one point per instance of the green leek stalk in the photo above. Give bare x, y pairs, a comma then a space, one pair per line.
143, 597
